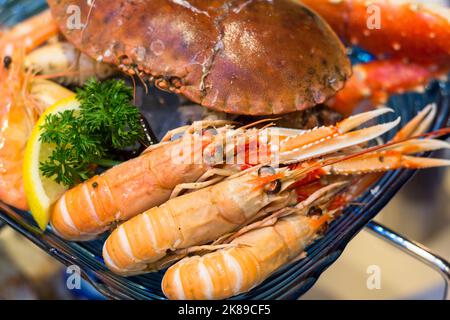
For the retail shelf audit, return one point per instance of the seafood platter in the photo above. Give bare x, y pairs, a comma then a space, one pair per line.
224, 149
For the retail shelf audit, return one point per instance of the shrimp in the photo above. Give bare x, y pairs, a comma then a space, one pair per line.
24, 96
151, 179
60, 61
18, 107
22, 99
248, 261
139, 184
147, 241
258, 250
28, 34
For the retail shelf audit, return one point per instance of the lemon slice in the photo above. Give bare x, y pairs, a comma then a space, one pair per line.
42, 192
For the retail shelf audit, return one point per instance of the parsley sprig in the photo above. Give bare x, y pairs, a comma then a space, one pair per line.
107, 122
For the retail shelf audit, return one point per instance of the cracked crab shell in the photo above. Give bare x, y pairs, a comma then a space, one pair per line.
255, 57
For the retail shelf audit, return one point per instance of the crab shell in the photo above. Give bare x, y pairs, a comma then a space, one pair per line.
255, 57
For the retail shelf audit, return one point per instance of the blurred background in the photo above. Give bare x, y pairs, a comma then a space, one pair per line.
421, 211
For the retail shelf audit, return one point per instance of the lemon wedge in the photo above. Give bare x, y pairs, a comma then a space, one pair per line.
41, 192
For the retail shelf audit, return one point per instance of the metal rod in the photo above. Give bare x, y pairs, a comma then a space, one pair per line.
416, 250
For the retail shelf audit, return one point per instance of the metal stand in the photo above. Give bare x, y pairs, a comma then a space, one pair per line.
416, 250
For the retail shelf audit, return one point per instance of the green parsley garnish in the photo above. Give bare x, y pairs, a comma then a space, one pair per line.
107, 122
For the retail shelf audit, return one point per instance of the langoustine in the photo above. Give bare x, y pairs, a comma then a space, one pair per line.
94, 206
248, 260
137, 185
258, 250
161, 172
151, 240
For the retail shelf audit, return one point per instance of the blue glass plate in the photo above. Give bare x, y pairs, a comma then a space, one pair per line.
289, 282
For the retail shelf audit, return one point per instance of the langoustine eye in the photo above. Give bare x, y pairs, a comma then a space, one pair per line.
7, 60
272, 187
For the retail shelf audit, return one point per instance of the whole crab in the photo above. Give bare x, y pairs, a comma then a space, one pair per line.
236, 56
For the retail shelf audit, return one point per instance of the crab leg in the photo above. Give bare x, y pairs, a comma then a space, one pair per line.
402, 29
377, 80
411, 56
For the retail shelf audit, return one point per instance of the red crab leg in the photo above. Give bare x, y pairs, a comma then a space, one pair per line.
377, 80
407, 29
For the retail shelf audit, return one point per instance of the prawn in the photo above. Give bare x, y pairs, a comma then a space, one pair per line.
140, 184
22, 99
257, 251
65, 64
24, 96
150, 240
17, 110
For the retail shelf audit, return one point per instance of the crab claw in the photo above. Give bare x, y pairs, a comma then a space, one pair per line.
413, 30
392, 158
